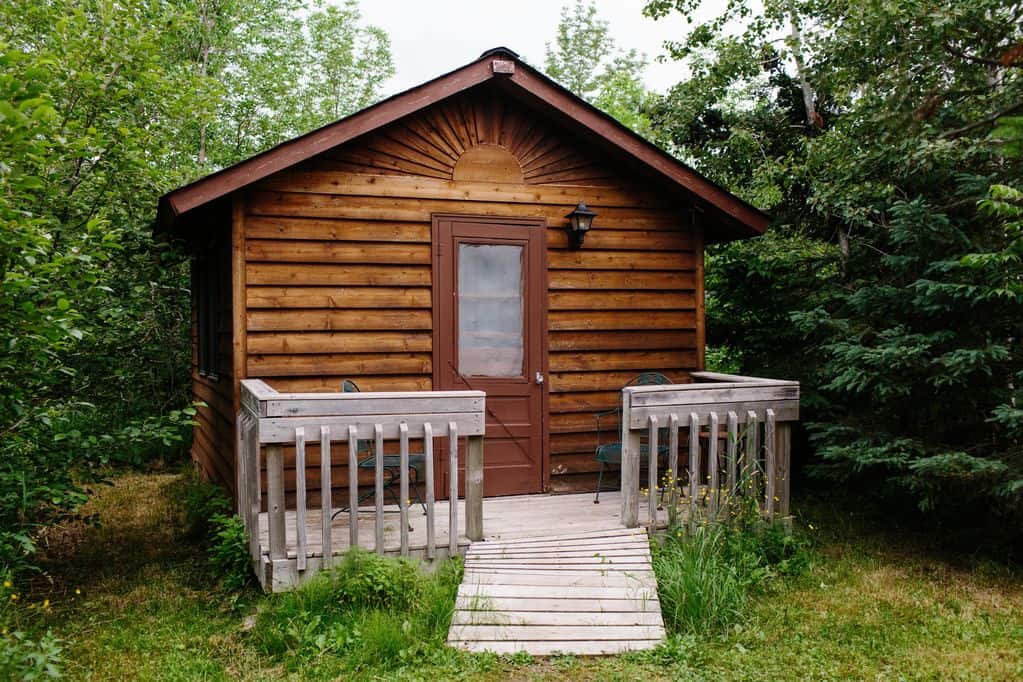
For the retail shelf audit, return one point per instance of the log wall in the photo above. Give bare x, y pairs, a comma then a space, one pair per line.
337, 264
213, 435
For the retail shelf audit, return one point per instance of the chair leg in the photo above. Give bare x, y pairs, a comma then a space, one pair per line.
600, 479
415, 491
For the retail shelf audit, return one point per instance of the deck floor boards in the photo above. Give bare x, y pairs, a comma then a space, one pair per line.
554, 573
516, 519
540, 595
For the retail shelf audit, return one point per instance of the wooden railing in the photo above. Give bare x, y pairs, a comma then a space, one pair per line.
754, 460
270, 420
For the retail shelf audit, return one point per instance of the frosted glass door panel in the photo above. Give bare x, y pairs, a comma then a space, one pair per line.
490, 310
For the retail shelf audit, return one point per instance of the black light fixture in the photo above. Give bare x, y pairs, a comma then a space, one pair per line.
580, 220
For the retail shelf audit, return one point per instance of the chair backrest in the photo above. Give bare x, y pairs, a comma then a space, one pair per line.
644, 379
349, 386
649, 379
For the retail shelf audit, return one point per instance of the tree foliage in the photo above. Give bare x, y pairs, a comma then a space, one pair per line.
585, 59
891, 284
104, 106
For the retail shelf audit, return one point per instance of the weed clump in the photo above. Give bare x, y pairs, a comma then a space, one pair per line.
368, 611
706, 577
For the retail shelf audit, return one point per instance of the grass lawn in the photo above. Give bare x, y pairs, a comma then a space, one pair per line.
132, 600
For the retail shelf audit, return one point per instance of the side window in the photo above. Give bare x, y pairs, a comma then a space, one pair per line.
206, 292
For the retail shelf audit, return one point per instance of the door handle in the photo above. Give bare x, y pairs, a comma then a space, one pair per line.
539, 378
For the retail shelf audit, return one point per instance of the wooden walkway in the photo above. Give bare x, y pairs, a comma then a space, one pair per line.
587, 592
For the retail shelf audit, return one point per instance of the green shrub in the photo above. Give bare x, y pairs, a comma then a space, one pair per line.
202, 501
369, 611
705, 578
228, 552
24, 656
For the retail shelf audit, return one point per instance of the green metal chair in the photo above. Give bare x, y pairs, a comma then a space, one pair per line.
392, 465
611, 453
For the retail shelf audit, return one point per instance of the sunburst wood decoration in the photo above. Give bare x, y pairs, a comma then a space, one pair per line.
474, 136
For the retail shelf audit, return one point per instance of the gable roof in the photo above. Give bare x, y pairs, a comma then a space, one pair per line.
736, 218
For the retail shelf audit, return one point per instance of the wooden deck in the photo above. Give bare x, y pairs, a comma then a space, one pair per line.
504, 518
585, 593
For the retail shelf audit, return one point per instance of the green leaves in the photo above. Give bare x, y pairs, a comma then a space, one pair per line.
585, 59
908, 338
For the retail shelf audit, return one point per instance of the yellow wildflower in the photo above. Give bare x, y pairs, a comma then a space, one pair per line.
7, 583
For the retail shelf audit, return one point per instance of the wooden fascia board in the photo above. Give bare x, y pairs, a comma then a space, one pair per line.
621, 137
555, 99
301, 148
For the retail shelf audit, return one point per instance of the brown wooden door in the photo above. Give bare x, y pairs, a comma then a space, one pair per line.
489, 335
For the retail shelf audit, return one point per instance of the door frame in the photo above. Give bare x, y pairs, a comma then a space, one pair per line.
540, 280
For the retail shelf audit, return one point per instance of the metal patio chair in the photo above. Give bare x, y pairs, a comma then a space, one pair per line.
392, 466
611, 453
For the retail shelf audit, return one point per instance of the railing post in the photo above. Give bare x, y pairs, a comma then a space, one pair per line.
255, 485
474, 488
241, 484
630, 465
275, 500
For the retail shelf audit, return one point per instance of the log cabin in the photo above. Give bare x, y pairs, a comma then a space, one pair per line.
437, 241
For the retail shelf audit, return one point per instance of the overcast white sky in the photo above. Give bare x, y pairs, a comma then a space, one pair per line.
431, 37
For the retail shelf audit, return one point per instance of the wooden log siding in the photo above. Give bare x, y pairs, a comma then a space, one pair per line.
339, 280
213, 435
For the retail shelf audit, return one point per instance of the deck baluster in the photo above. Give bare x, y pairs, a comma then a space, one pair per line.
694, 466
452, 488
378, 433
275, 501
769, 465
403, 485
732, 448
431, 537
712, 466
652, 483
301, 544
326, 498
353, 486
673, 477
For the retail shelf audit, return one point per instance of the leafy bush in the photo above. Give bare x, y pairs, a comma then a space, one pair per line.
201, 501
370, 611
24, 656
705, 578
228, 552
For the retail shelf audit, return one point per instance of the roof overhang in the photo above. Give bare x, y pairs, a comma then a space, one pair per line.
737, 219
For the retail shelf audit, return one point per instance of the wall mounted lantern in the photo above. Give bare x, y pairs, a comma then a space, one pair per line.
580, 220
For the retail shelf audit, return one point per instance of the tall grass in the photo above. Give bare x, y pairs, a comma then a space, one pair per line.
369, 612
706, 578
